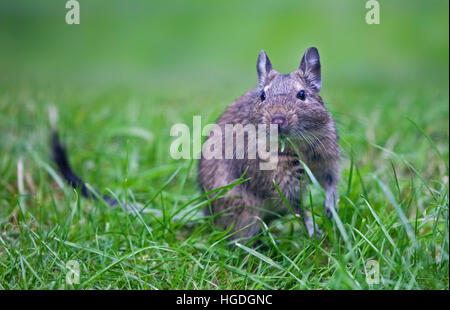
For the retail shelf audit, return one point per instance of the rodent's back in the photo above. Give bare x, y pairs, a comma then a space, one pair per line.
240, 111
213, 173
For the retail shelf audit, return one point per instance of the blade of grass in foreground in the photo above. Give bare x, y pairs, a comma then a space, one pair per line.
247, 275
221, 191
268, 261
274, 244
401, 214
124, 257
433, 145
300, 217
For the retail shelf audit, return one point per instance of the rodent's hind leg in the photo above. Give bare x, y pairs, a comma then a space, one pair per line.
239, 214
246, 224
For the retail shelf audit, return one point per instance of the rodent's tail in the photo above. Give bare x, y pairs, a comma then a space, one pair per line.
61, 160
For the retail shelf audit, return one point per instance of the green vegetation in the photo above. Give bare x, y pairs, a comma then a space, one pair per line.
128, 72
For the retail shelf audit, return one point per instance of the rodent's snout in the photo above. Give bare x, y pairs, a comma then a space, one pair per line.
280, 120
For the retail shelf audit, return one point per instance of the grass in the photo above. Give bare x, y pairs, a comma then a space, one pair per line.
393, 127
393, 209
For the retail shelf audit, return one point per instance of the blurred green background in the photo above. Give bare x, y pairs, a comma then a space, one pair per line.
215, 43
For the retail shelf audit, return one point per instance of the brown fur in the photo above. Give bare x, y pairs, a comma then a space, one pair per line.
309, 125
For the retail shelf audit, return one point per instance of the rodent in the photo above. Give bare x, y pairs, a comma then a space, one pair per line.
292, 102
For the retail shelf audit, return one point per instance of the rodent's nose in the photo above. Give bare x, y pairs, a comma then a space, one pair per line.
279, 120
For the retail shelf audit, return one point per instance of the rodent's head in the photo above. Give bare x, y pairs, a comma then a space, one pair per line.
292, 101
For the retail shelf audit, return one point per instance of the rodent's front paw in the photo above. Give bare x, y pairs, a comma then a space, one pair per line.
314, 233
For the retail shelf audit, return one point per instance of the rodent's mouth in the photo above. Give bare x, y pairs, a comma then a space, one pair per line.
298, 135
283, 132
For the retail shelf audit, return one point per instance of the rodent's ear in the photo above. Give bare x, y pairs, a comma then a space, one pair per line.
264, 67
310, 66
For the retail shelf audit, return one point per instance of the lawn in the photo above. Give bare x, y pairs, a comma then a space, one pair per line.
126, 74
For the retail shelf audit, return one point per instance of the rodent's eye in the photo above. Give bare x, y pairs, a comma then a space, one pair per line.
263, 96
301, 95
